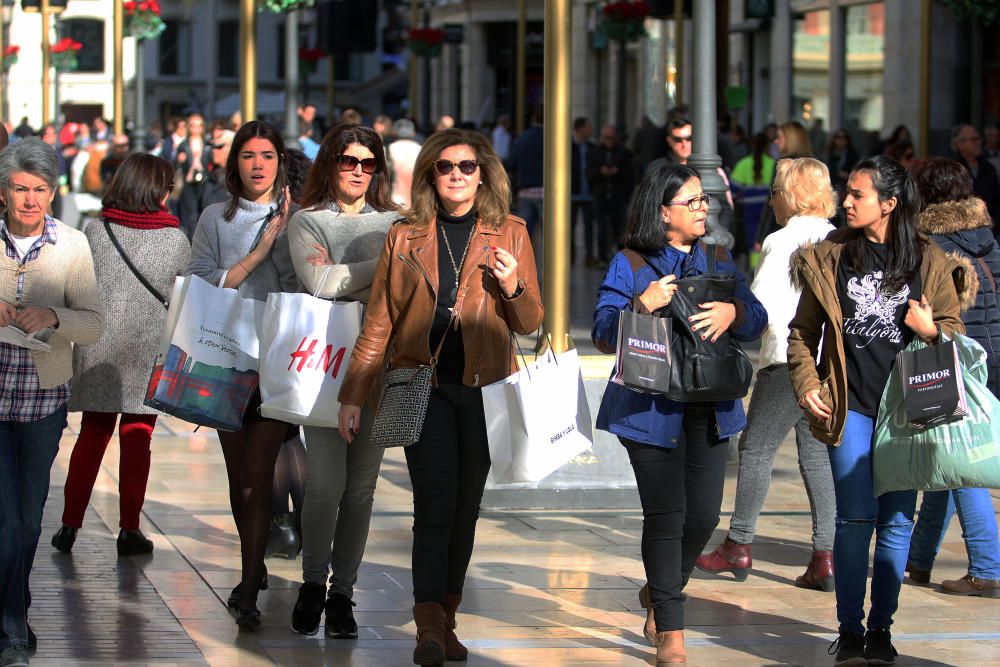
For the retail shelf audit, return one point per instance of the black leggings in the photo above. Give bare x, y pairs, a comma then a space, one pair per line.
681, 494
448, 468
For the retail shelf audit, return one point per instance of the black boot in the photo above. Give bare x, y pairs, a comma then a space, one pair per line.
133, 543
63, 540
283, 541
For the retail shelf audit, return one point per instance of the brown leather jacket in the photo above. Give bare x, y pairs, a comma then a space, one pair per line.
943, 278
404, 292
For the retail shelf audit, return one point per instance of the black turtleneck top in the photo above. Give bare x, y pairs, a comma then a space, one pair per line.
459, 230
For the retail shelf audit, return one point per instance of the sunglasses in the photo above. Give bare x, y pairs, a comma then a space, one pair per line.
349, 163
467, 167
680, 139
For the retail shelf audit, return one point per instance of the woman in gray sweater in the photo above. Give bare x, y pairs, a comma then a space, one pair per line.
242, 245
110, 377
336, 240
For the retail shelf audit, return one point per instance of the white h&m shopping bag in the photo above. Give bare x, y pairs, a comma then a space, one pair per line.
537, 419
306, 343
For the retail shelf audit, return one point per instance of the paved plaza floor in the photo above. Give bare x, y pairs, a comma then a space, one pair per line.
545, 587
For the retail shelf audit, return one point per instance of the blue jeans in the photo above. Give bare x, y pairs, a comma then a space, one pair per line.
979, 530
27, 450
859, 514
530, 209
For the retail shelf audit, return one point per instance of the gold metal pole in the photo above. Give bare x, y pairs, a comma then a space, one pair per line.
678, 51
924, 130
331, 80
248, 52
3, 75
414, 17
520, 65
556, 179
46, 74
119, 84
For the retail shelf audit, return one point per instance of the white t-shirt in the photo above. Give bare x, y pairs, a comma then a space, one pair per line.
23, 243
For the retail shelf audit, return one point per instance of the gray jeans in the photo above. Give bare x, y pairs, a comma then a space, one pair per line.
338, 504
773, 412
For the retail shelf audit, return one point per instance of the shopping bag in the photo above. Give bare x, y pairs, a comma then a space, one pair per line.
642, 358
306, 343
206, 368
931, 378
537, 419
951, 455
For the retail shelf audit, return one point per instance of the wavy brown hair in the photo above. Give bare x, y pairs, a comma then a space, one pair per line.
252, 130
797, 143
493, 196
321, 185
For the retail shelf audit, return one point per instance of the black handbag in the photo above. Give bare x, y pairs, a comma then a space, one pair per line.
702, 370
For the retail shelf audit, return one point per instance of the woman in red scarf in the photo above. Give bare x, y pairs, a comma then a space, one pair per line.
138, 250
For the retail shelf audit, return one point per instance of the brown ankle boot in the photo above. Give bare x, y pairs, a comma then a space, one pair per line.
727, 557
819, 572
453, 649
431, 623
670, 648
649, 629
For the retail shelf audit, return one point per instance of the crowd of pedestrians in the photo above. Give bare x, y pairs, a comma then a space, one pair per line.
420, 231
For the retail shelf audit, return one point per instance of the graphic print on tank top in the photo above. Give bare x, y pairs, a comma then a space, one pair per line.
876, 313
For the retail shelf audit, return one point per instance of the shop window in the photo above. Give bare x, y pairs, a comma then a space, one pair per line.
811, 68
864, 27
90, 33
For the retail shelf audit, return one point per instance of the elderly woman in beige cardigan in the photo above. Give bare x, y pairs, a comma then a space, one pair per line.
48, 293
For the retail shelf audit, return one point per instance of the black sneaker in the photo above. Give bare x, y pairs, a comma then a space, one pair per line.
64, 539
248, 619
340, 622
133, 543
850, 650
233, 601
878, 647
308, 608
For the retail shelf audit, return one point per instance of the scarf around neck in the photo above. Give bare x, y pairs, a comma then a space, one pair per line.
159, 220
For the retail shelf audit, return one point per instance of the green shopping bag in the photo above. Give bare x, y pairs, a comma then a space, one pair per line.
957, 454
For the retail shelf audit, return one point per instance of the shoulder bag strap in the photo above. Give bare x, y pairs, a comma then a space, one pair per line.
988, 274
131, 266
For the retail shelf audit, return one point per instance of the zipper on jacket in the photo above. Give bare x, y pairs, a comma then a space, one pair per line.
420, 268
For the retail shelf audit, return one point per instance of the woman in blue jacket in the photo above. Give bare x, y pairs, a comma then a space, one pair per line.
673, 447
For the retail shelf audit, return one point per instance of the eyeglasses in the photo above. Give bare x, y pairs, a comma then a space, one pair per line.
467, 167
679, 140
695, 203
349, 163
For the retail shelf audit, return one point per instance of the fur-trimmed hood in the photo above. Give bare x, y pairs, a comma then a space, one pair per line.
954, 216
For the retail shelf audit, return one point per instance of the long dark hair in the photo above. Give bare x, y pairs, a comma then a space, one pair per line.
139, 184
645, 231
905, 246
759, 144
321, 185
251, 130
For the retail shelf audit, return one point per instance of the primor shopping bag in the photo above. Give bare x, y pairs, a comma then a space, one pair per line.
206, 368
642, 358
951, 455
306, 343
933, 388
537, 419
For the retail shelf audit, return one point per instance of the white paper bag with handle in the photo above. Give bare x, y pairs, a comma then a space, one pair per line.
537, 419
306, 343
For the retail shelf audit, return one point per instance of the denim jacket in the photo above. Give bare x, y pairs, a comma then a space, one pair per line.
651, 418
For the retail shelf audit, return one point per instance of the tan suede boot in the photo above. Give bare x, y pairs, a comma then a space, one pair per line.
649, 629
670, 648
431, 623
453, 649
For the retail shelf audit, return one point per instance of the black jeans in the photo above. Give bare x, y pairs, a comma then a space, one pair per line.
590, 242
681, 494
609, 216
448, 468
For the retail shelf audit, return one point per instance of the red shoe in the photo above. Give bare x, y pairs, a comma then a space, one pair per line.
819, 573
727, 557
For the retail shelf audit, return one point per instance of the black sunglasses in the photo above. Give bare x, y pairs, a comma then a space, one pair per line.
349, 162
467, 167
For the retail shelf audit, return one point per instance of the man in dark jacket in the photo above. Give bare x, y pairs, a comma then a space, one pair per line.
611, 177
968, 147
583, 200
526, 162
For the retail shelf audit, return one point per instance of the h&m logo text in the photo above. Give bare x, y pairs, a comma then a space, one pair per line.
308, 358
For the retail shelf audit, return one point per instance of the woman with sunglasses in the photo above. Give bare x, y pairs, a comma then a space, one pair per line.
677, 450
335, 242
242, 243
461, 265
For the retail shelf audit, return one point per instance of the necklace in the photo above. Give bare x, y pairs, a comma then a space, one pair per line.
456, 267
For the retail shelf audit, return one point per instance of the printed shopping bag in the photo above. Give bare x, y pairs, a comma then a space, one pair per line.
931, 378
306, 343
206, 369
642, 358
537, 419
951, 455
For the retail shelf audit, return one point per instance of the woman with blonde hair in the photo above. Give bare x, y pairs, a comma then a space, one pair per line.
461, 265
803, 201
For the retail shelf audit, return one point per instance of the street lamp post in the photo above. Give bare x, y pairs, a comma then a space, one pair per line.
248, 53
705, 159
118, 39
291, 77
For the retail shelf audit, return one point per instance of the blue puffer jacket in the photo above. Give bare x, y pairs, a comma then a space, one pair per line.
649, 418
964, 228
